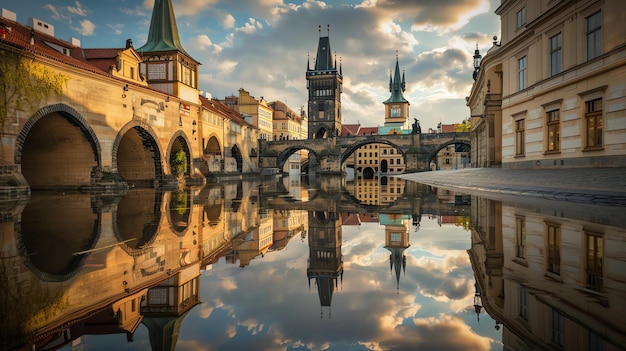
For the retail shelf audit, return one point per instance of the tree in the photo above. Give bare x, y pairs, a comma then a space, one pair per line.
179, 164
464, 126
25, 84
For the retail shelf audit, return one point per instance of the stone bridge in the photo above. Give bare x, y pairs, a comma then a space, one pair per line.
330, 153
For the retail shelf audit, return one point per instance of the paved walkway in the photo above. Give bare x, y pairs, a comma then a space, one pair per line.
584, 185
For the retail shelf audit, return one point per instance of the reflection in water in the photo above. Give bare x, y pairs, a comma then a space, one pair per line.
390, 264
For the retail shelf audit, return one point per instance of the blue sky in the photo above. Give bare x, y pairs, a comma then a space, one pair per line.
262, 45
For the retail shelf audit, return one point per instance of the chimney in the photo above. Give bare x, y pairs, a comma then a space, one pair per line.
41, 26
75, 41
10, 15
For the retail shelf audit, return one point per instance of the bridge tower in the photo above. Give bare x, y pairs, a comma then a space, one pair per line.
396, 107
167, 66
325, 85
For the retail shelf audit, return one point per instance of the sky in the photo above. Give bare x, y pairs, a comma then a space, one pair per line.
263, 46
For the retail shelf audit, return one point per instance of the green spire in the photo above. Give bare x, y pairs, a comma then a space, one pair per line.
163, 34
397, 86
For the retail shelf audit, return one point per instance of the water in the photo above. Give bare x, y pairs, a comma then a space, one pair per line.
311, 264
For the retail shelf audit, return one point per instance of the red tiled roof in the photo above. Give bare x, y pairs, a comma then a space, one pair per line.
221, 109
350, 129
368, 130
447, 128
19, 37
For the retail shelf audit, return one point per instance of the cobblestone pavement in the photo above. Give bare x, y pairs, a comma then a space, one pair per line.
605, 186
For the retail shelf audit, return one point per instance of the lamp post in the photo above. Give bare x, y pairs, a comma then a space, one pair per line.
477, 59
478, 302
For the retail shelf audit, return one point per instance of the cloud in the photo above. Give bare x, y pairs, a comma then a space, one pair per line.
251, 26
55, 13
117, 28
192, 7
86, 28
228, 22
78, 9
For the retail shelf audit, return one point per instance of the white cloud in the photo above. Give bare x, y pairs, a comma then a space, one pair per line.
117, 28
78, 9
86, 28
228, 22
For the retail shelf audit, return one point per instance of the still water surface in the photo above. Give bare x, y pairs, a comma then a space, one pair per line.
310, 265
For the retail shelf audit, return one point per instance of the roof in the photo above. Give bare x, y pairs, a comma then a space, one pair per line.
368, 131
447, 128
163, 33
18, 36
225, 111
350, 129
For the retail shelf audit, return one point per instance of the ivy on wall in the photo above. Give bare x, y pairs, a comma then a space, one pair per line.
25, 84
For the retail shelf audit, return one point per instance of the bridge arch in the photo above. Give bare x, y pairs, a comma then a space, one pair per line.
212, 147
284, 155
178, 142
179, 210
136, 154
238, 157
350, 150
432, 154
58, 148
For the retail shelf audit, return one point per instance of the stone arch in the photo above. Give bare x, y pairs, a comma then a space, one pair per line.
354, 147
58, 135
212, 147
236, 154
321, 132
179, 141
439, 147
284, 155
136, 142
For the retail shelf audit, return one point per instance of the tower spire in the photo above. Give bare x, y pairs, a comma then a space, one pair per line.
163, 33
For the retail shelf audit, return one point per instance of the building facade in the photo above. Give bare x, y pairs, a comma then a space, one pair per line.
552, 90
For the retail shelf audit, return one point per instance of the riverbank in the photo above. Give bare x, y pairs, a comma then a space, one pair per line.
605, 186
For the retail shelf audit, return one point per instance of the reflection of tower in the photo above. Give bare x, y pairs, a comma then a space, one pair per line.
325, 263
396, 241
167, 305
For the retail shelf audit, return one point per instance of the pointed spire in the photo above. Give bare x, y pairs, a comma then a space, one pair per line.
398, 85
308, 62
340, 69
163, 33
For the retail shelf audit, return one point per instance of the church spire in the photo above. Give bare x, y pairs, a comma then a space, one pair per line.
163, 34
397, 86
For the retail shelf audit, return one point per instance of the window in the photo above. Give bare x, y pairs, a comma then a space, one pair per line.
521, 17
520, 235
522, 66
594, 342
595, 256
557, 327
519, 137
556, 55
593, 35
553, 128
395, 111
523, 303
554, 248
593, 118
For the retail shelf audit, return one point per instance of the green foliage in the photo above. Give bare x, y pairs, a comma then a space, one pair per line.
179, 202
179, 164
25, 84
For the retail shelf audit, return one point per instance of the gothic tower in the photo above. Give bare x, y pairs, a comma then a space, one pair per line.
396, 107
167, 66
324, 83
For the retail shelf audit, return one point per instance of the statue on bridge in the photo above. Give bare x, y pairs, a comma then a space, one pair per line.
416, 127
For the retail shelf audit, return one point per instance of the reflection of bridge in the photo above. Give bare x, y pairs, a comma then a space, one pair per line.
417, 199
330, 153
